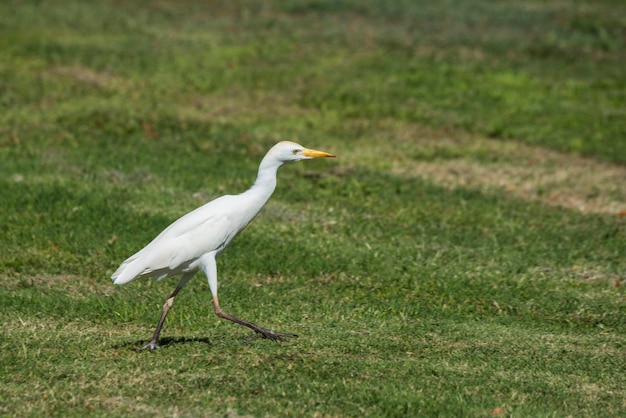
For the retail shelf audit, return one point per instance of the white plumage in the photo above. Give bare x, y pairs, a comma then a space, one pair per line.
194, 241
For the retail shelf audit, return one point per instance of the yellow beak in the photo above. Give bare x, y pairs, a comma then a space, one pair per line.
311, 153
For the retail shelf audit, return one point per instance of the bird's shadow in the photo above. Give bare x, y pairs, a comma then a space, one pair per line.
163, 342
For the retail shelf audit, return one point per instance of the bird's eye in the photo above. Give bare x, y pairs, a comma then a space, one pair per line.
295, 151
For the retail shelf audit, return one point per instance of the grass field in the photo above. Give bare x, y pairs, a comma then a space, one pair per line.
463, 256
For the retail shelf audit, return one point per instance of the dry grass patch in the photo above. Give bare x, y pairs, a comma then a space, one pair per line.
239, 105
454, 159
87, 76
578, 272
567, 181
72, 285
51, 330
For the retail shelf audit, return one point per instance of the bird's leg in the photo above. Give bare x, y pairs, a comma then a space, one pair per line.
153, 344
265, 333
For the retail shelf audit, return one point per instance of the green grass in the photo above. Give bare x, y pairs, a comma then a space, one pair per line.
415, 293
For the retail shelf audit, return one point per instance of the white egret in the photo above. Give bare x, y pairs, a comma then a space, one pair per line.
193, 242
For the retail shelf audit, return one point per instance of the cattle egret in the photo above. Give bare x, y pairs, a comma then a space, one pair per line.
193, 242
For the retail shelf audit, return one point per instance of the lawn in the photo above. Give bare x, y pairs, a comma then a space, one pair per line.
463, 256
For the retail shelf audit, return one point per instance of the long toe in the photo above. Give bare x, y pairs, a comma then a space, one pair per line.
277, 336
151, 345
269, 334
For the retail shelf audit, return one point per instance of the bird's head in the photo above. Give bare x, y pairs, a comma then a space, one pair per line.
286, 151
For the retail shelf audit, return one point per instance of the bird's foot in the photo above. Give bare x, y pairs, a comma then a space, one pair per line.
152, 345
258, 331
269, 334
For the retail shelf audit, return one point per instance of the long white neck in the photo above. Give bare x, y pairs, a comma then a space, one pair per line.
265, 182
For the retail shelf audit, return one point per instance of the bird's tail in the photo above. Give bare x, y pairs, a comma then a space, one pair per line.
129, 270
